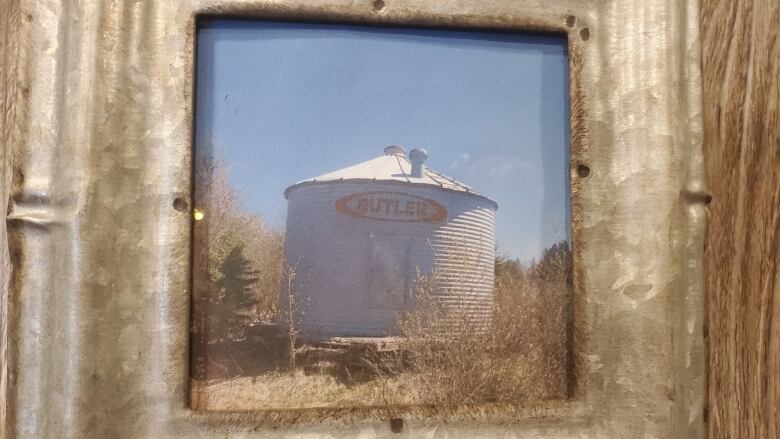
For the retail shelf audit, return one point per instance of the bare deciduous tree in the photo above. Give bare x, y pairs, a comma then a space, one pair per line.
237, 269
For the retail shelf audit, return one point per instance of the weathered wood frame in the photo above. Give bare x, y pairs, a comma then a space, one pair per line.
97, 133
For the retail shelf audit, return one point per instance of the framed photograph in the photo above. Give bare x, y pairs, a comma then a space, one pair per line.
387, 281
350, 219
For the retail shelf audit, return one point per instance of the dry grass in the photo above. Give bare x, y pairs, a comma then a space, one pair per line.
522, 354
292, 390
287, 390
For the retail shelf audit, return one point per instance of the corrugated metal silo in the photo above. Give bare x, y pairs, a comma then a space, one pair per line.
358, 238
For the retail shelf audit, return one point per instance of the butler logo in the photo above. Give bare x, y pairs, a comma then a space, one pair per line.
391, 206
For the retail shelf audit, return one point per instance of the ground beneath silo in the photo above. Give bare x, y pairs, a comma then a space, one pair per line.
307, 388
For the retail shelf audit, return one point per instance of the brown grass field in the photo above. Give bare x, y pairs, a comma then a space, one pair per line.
523, 354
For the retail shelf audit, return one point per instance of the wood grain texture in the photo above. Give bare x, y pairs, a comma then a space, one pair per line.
741, 80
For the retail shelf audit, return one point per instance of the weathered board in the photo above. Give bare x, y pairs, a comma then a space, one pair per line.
741, 79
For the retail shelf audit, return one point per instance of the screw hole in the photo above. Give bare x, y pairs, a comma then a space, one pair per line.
708, 199
585, 34
378, 5
180, 204
396, 425
571, 21
583, 171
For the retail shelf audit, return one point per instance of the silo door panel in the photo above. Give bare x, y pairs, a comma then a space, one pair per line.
389, 270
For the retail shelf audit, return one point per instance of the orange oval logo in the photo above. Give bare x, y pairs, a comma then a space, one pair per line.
391, 206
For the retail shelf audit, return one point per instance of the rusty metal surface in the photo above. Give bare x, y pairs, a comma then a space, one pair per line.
97, 129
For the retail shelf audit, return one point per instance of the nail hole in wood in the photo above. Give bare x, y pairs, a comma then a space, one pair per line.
378, 5
571, 21
585, 34
583, 171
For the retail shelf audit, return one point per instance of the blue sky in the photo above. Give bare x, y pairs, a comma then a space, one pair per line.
284, 102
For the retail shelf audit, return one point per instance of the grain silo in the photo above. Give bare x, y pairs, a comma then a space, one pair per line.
358, 238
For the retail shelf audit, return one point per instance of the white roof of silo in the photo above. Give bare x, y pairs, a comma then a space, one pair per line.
393, 165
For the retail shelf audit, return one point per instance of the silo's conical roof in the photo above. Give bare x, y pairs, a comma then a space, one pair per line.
393, 165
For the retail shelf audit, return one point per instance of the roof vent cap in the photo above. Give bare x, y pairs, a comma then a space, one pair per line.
394, 150
418, 158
